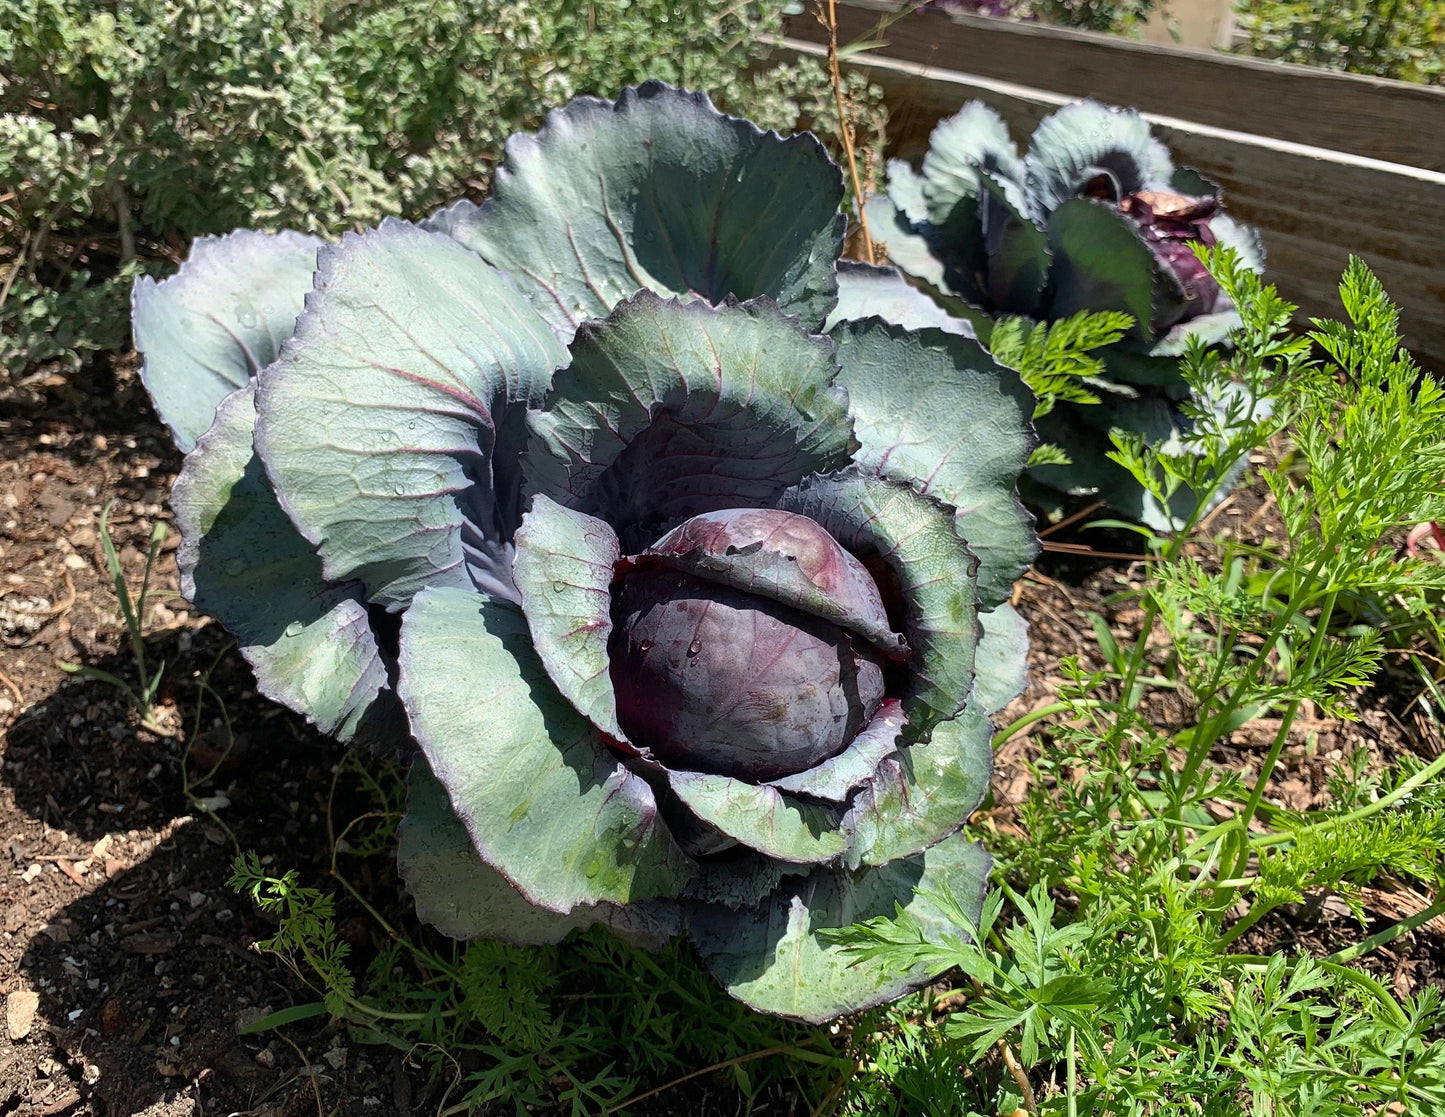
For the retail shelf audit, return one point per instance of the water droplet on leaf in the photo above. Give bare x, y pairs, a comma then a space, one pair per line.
694, 647
294, 628
593, 868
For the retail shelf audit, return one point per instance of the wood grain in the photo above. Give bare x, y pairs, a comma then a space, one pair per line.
1313, 207
1390, 120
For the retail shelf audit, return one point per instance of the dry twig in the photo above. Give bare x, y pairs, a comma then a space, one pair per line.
829, 18
780, 1049
1071, 519
9, 685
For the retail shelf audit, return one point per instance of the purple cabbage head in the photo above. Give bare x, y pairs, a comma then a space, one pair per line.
1171, 224
724, 671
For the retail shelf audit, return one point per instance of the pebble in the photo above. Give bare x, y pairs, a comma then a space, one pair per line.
20, 1008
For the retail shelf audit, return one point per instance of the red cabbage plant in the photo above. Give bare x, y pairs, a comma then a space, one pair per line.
701, 608
1094, 216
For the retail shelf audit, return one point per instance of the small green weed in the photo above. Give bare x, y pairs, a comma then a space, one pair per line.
142, 695
1056, 360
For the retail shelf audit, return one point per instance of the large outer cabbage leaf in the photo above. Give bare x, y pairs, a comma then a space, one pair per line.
658, 191
379, 422
241, 560
216, 323
1083, 139
870, 291
774, 958
462, 896
899, 384
544, 800
669, 409
563, 569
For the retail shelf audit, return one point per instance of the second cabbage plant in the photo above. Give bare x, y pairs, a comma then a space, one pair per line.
1093, 217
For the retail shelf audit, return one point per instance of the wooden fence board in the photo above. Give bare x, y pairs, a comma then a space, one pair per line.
1395, 121
1313, 207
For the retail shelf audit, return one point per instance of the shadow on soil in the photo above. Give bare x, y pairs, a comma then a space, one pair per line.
145, 975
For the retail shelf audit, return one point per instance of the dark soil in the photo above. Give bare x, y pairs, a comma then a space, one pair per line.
126, 963
116, 909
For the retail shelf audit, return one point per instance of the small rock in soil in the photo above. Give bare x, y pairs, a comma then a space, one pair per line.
20, 1007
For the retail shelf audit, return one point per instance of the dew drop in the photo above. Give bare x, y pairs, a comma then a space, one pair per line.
646, 646
593, 868
294, 628
559, 587
235, 566
398, 489
694, 647
386, 436
411, 426
248, 319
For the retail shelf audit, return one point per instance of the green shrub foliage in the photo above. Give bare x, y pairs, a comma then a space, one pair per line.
127, 130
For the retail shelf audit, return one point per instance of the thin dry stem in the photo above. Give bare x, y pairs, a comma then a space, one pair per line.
306, 1072
1021, 1080
1085, 549
1072, 519
778, 1050
9, 685
845, 126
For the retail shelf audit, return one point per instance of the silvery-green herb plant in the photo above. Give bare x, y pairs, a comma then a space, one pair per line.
692, 611
1093, 219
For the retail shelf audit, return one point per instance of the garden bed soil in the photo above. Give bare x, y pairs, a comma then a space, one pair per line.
126, 962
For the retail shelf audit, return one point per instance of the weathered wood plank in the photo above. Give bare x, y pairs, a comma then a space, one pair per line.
1313, 207
1390, 120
